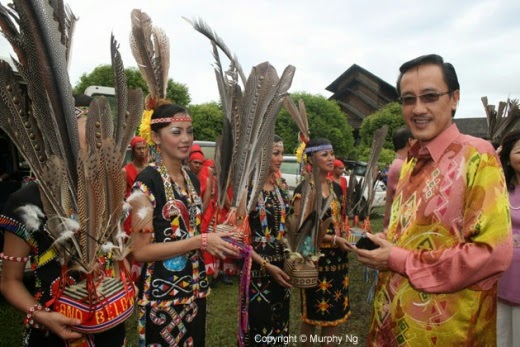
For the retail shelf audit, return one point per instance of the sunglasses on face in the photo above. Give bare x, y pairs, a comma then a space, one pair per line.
426, 98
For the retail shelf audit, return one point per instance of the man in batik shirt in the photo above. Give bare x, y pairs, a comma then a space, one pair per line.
449, 236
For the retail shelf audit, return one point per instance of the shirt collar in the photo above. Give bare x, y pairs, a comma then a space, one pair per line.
437, 146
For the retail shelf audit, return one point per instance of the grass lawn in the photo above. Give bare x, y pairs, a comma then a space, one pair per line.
222, 311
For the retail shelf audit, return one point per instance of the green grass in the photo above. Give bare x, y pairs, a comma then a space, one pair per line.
222, 311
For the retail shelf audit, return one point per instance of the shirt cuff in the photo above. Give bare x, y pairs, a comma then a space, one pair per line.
397, 260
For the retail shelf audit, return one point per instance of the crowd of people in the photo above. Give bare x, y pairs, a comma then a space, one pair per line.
448, 254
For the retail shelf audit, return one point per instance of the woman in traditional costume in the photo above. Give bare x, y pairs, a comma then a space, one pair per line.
327, 304
269, 293
27, 240
173, 283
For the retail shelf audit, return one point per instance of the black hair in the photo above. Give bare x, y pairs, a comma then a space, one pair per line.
508, 142
401, 137
277, 138
166, 111
448, 72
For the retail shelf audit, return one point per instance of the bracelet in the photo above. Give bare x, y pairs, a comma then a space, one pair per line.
204, 243
16, 259
334, 240
28, 321
264, 264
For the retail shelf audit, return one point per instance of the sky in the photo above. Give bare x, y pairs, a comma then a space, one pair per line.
322, 39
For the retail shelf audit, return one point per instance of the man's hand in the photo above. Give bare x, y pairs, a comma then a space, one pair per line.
377, 258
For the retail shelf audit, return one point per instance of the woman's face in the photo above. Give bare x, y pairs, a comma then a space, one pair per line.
175, 139
514, 157
276, 158
324, 160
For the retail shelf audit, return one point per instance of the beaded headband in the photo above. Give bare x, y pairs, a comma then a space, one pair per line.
171, 119
318, 148
278, 144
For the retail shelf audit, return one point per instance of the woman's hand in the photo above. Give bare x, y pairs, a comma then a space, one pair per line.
279, 276
58, 324
221, 248
343, 244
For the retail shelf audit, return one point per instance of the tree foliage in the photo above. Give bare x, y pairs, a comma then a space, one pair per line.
325, 120
102, 75
390, 115
178, 92
207, 121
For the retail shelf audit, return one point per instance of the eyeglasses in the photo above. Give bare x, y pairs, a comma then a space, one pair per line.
426, 98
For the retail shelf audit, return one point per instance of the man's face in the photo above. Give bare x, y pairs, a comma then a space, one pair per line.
195, 166
338, 170
141, 151
427, 120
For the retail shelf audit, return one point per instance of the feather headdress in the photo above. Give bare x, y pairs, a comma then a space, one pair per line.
151, 49
503, 120
357, 204
250, 109
305, 229
82, 189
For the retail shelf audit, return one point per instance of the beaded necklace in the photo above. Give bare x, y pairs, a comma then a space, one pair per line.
279, 217
193, 201
335, 207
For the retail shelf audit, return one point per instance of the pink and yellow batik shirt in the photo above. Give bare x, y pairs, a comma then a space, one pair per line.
450, 222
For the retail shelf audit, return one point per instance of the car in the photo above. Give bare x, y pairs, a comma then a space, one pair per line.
208, 148
290, 171
359, 168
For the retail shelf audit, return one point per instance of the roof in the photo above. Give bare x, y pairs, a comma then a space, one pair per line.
334, 86
477, 127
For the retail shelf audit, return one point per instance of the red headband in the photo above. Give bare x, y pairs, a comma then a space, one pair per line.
136, 140
184, 118
338, 163
196, 156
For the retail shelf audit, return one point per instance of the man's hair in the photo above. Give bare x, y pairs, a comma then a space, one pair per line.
448, 71
401, 137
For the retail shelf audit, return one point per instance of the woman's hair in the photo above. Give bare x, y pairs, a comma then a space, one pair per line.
165, 111
277, 138
508, 142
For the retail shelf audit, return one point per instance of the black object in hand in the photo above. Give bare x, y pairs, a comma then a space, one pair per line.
366, 243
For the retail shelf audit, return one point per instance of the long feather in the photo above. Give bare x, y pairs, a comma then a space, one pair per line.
151, 49
205, 30
369, 179
121, 90
42, 63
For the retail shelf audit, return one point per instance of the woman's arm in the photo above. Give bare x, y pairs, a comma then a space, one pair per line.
144, 250
279, 276
15, 292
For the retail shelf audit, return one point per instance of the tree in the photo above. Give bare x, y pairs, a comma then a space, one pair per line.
102, 75
207, 120
325, 120
390, 115
178, 93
